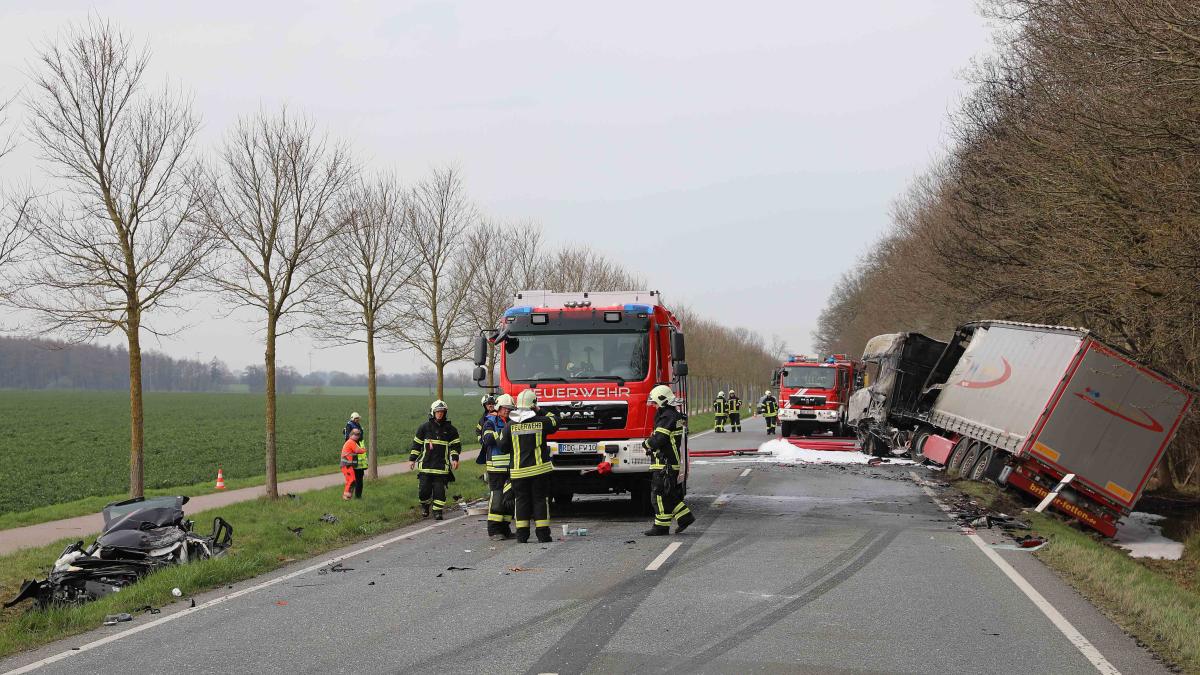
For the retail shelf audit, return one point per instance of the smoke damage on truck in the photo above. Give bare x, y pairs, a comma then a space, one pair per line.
1053, 411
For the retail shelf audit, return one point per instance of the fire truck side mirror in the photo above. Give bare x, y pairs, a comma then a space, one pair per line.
481, 347
479, 373
678, 350
681, 369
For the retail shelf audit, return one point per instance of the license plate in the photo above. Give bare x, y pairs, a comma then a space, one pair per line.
576, 448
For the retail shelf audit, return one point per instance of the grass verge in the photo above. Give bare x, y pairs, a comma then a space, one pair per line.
262, 543
1144, 597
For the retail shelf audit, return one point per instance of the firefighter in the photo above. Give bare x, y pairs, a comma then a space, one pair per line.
733, 407
500, 515
663, 447
349, 460
719, 413
355, 422
434, 454
489, 408
525, 440
770, 411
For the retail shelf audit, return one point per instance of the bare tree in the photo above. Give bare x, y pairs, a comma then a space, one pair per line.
436, 319
116, 242
271, 201
371, 258
12, 211
506, 257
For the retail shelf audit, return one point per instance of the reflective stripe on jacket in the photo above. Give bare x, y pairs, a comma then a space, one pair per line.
770, 407
349, 454
669, 428
525, 439
497, 460
435, 446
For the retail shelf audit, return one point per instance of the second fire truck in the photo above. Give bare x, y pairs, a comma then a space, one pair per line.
813, 393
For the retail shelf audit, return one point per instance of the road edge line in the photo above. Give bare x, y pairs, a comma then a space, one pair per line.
216, 601
1060, 622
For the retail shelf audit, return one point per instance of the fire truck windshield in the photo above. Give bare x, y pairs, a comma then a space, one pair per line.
576, 357
810, 377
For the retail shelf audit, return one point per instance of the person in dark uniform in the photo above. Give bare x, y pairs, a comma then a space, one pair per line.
770, 411
719, 413
733, 407
525, 440
434, 455
663, 446
500, 512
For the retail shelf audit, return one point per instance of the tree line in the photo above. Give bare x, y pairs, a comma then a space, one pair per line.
1069, 195
278, 219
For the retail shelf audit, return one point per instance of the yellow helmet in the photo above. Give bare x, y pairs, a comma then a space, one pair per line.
527, 399
662, 395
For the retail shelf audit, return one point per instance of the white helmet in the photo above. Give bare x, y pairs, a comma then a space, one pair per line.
767, 392
505, 401
732, 392
662, 395
437, 405
355, 416
487, 399
527, 399
720, 394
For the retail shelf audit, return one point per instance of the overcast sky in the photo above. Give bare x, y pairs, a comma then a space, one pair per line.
738, 155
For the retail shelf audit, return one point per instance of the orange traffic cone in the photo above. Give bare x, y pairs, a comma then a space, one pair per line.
220, 479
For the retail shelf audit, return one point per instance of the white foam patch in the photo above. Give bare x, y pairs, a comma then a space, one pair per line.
783, 452
1137, 534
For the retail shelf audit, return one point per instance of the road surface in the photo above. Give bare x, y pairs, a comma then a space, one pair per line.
789, 569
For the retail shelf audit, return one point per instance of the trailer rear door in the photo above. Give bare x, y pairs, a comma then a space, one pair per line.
1111, 423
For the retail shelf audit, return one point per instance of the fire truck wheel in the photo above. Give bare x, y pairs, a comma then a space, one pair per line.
956, 456
966, 470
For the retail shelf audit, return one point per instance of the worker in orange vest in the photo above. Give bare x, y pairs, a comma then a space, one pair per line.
350, 461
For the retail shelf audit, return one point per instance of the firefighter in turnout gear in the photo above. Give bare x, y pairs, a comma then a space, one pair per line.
525, 439
770, 411
663, 447
434, 455
489, 408
733, 407
719, 413
500, 511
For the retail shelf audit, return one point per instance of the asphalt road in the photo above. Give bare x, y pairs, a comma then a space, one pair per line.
789, 569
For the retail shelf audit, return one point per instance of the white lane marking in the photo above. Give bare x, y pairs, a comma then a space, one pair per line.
1064, 626
722, 500
745, 473
662, 557
216, 601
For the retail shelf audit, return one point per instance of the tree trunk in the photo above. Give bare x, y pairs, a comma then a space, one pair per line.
269, 363
441, 373
136, 415
372, 425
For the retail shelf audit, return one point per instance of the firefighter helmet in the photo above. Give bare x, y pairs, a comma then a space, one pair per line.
527, 399
720, 394
505, 401
437, 405
662, 395
767, 392
487, 400
732, 392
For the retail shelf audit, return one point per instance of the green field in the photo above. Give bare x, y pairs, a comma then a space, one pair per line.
60, 446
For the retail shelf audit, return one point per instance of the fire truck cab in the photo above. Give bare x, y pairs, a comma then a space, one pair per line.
592, 358
813, 393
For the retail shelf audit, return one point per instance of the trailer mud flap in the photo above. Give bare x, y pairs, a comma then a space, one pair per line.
1101, 525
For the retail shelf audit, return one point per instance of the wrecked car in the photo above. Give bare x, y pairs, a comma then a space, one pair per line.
140, 535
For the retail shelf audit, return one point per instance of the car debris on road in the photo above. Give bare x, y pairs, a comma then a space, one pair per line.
140, 536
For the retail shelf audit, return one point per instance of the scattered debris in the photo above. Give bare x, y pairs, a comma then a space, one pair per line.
336, 567
329, 518
281, 603
371, 583
147, 609
452, 568
296, 531
193, 603
140, 536
518, 568
291, 496
114, 619
176, 592
631, 541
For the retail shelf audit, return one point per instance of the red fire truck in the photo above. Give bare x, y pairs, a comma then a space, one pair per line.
813, 393
592, 358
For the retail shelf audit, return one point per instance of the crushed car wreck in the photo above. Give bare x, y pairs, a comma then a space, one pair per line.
140, 535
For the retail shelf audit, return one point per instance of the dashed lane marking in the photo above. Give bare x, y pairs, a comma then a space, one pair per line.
662, 557
745, 473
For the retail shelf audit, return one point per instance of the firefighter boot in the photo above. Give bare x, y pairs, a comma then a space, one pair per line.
437, 515
683, 522
543, 535
424, 510
657, 531
522, 535
504, 531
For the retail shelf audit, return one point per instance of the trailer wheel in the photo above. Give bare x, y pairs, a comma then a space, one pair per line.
917, 445
970, 459
956, 456
989, 465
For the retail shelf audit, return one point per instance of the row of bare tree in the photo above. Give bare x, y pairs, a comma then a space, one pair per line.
1070, 195
279, 219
